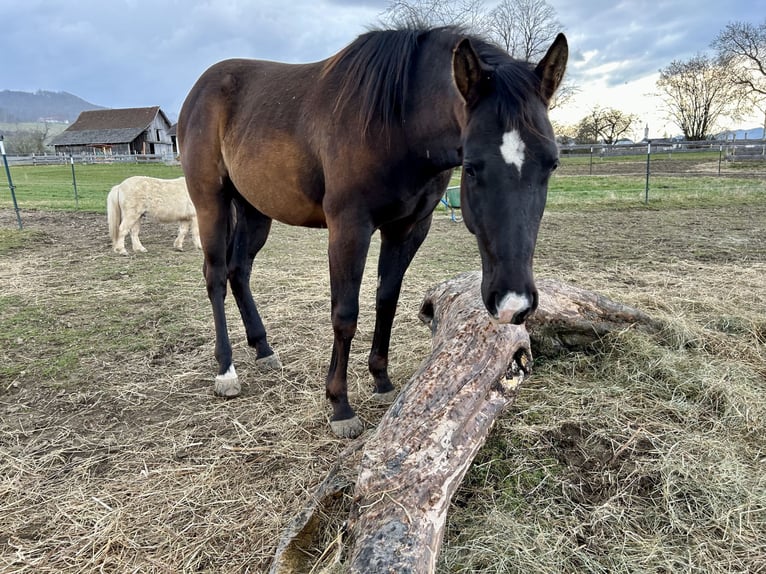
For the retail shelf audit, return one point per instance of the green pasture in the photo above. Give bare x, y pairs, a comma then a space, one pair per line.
53, 187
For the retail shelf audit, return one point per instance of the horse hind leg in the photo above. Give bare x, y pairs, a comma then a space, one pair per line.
249, 235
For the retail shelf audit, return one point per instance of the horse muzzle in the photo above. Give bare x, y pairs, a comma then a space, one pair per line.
511, 307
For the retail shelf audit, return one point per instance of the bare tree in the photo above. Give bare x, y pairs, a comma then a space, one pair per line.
698, 92
525, 28
466, 13
27, 141
605, 124
742, 46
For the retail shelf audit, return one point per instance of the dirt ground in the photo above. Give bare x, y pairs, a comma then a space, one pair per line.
116, 457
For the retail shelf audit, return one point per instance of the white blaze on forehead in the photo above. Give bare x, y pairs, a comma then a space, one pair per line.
512, 149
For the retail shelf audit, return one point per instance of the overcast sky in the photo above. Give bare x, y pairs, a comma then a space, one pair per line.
134, 53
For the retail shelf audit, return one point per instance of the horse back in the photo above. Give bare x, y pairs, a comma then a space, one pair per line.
251, 122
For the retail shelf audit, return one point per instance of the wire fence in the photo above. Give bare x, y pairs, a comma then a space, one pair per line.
661, 171
683, 173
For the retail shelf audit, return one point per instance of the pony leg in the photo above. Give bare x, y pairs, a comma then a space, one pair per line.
195, 233
397, 249
119, 242
347, 253
249, 236
134, 240
183, 229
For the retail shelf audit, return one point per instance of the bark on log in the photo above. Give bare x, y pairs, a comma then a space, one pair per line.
424, 444
570, 318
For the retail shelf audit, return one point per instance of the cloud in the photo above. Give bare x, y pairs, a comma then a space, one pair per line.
127, 53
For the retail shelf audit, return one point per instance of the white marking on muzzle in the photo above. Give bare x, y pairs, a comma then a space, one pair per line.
512, 149
511, 304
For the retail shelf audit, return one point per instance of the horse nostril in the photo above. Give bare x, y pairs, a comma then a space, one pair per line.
521, 316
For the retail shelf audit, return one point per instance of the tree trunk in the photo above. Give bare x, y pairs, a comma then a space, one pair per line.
418, 455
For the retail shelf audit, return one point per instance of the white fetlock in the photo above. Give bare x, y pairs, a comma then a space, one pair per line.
227, 384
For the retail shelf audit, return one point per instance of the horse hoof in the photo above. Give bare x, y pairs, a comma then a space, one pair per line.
385, 398
270, 363
227, 385
348, 428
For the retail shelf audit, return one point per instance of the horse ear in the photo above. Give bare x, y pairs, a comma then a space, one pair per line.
467, 71
551, 68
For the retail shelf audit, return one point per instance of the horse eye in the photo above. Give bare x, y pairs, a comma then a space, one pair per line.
469, 170
555, 165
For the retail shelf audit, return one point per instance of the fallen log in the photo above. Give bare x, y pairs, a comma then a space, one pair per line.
415, 460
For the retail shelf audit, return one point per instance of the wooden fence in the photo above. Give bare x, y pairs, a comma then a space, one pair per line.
82, 159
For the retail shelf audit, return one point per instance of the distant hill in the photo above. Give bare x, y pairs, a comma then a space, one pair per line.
749, 134
41, 106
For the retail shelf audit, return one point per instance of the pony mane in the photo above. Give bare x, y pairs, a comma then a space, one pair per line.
375, 70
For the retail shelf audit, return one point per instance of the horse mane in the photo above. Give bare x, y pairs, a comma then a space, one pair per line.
515, 81
375, 71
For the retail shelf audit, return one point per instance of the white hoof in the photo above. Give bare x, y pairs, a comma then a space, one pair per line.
227, 385
385, 398
349, 428
270, 363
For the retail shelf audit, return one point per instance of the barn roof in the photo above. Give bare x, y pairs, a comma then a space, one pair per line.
108, 126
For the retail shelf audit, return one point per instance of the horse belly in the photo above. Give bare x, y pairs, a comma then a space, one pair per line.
282, 182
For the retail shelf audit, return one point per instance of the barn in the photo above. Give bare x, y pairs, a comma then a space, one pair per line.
116, 132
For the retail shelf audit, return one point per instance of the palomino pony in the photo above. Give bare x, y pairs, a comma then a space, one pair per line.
365, 141
166, 200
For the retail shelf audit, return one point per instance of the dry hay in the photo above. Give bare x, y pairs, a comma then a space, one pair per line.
644, 455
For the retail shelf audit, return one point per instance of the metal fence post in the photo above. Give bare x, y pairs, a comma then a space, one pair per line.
720, 158
74, 183
648, 156
10, 182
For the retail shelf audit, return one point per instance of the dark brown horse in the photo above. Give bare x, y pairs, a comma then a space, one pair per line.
366, 141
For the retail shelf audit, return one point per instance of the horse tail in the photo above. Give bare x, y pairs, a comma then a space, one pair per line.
113, 212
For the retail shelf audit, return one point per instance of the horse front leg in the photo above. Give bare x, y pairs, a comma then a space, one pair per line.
397, 249
347, 254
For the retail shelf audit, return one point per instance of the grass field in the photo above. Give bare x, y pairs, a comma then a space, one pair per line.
644, 454
616, 182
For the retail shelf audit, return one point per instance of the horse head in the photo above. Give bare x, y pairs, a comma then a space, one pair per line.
509, 152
